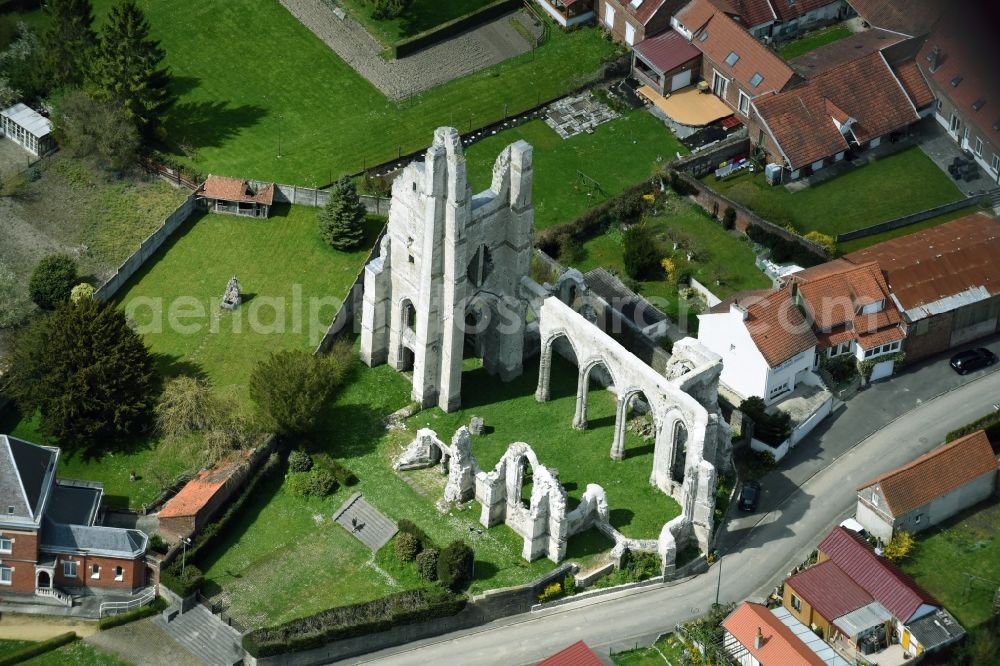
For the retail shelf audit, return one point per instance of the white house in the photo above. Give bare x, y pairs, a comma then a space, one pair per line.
766, 344
28, 129
930, 489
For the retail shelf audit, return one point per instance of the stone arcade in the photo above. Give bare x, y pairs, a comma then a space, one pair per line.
454, 269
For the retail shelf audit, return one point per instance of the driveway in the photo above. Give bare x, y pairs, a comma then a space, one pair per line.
800, 505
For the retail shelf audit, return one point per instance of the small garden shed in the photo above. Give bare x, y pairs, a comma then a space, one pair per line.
28, 129
236, 196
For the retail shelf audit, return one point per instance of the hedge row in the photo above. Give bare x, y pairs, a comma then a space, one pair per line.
990, 423
158, 605
26, 653
441, 32
182, 580
784, 250
349, 621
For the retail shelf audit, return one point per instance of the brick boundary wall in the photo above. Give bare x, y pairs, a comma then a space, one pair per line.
706, 160
907, 220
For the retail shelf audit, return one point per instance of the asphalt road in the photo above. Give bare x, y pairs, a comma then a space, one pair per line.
800, 504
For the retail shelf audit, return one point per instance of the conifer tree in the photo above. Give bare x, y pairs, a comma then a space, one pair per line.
127, 69
341, 221
69, 43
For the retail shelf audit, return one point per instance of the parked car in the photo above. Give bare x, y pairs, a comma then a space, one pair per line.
749, 496
972, 359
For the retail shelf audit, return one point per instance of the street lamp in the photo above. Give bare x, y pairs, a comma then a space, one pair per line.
185, 542
718, 584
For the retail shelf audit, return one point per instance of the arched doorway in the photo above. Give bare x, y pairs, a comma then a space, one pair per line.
44, 580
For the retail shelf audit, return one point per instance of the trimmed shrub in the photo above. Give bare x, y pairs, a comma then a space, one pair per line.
184, 582
159, 604
81, 291
26, 653
828, 243
407, 546
408, 526
990, 423
642, 256
454, 568
52, 280
317, 482
343, 622
569, 585
299, 461
158, 545
427, 562
551, 591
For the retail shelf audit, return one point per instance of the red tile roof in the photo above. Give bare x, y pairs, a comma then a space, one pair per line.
695, 14
667, 50
914, 83
946, 260
829, 590
755, 12
722, 36
844, 50
198, 492
778, 328
910, 17
836, 297
865, 89
780, 647
937, 473
899, 593
236, 189
577, 654
645, 11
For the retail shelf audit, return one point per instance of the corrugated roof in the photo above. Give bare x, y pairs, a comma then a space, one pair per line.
829, 590
936, 630
889, 586
862, 619
937, 473
779, 647
236, 189
948, 260
667, 50
577, 654
32, 121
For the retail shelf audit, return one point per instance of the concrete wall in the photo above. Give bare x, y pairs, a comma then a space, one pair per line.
928, 336
705, 293
315, 198
907, 220
146, 250
874, 521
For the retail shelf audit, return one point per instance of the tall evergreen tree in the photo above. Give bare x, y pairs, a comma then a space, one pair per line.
87, 373
342, 220
69, 43
127, 68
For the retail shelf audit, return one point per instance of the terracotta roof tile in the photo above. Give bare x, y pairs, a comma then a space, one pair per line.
829, 590
722, 37
780, 647
892, 588
667, 50
199, 491
910, 17
789, 10
778, 328
940, 262
755, 12
936, 473
577, 654
236, 189
836, 297
844, 50
696, 14
865, 89
914, 83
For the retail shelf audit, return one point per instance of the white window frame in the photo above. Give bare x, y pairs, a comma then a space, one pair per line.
9, 547
629, 33
6, 575
716, 75
95, 571
874, 498
69, 569
996, 163
744, 108
119, 573
796, 604
979, 147
609, 15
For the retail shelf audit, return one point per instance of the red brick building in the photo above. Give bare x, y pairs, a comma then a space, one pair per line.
631, 21
49, 543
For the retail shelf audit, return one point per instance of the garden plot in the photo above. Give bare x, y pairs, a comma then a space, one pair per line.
581, 113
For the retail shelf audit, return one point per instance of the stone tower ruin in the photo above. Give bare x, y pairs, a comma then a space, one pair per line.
448, 275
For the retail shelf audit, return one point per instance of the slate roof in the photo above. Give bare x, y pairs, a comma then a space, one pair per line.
236, 189
722, 36
829, 590
107, 541
910, 17
889, 586
667, 50
26, 474
866, 89
577, 654
937, 473
780, 646
77, 505
778, 328
926, 268
631, 305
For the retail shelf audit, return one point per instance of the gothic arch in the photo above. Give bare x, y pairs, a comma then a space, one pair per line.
542, 393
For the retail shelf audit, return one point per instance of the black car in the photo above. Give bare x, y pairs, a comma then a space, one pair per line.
973, 359
749, 496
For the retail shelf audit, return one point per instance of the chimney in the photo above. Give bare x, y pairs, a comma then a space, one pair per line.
758, 640
934, 58
739, 311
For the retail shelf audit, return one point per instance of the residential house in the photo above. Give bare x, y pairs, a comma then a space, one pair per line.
666, 62
28, 129
738, 68
766, 344
850, 107
931, 489
569, 13
851, 312
913, 18
796, 16
577, 654
755, 635
236, 196
945, 280
631, 21
959, 60
820, 594
50, 544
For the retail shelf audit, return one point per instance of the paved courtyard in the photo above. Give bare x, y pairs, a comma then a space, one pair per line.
470, 52
936, 143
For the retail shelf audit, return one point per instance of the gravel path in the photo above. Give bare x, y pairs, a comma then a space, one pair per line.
467, 53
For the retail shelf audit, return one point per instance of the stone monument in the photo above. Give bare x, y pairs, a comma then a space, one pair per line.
232, 298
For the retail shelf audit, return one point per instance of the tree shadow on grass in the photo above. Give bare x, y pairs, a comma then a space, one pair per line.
212, 124
348, 431
587, 543
484, 570
620, 518
171, 366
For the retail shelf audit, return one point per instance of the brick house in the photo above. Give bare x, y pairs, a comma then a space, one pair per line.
945, 280
929, 490
667, 62
631, 21
201, 498
49, 542
569, 13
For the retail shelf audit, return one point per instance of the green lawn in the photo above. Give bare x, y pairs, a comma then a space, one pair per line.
618, 154
860, 243
240, 91
8, 645
77, 653
888, 188
292, 284
967, 544
280, 562
422, 15
665, 651
813, 41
